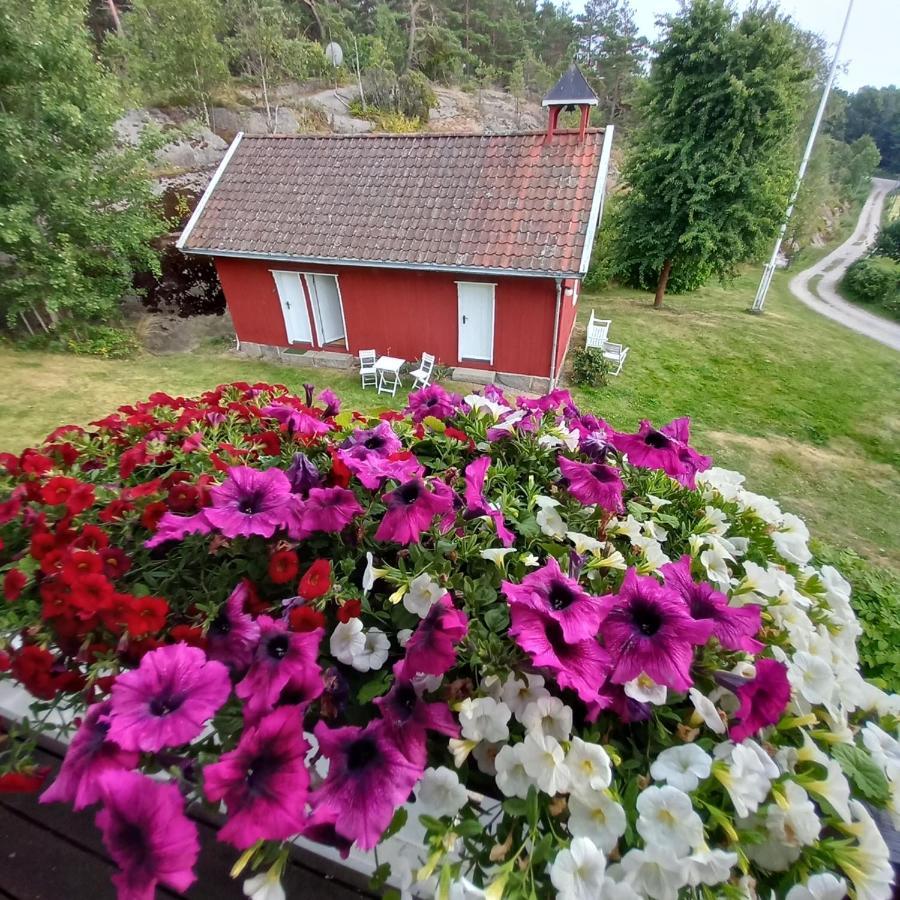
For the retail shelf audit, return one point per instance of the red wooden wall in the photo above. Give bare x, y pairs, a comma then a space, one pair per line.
404, 312
568, 312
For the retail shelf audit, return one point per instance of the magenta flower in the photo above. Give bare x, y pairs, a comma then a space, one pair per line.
763, 699
172, 527
553, 400
408, 717
613, 698
432, 401
411, 509
167, 699
580, 665
320, 828
665, 448
329, 509
89, 757
551, 592
430, 649
263, 781
283, 661
250, 502
303, 474
593, 483
368, 779
233, 634
147, 835
733, 626
331, 401
477, 504
373, 470
297, 421
365, 442
649, 630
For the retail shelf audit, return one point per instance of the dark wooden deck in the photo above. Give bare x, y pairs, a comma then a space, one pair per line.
49, 852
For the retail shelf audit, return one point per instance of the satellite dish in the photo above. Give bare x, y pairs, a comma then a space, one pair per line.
334, 54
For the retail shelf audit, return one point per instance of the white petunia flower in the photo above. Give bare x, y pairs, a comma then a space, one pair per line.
584, 543
549, 520
597, 816
709, 867
403, 636
522, 689
483, 405
654, 873
423, 593
484, 719
792, 539
763, 507
790, 825
530, 560
725, 482
578, 872
460, 750
872, 874
707, 711
645, 690
683, 767
823, 886
667, 819
441, 793
657, 503
371, 574
265, 886
511, 776
374, 652
715, 562
812, 678
746, 779
496, 555
347, 641
590, 769
485, 754
463, 889
545, 761
550, 716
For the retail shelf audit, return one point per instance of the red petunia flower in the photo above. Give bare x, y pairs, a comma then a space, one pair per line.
115, 562
183, 498
283, 566
42, 542
316, 581
10, 510
92, 537
115, 510
13, 583
151, 515
29, 782
82, 562
340, 475
80, 499
254, 604
34, 463
33, 666
192, 635
145, 616
58, 490
305, 618
352, 609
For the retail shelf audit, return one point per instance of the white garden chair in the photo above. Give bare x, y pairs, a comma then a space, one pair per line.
367, 372
616, 354
422, 375
597, 331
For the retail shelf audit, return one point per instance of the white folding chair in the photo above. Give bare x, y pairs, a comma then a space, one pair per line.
616, 354
367, 373
597, 331
422, 375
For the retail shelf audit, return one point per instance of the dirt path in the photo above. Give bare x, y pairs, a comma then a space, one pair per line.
823, 297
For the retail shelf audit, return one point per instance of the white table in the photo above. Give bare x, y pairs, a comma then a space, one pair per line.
388, 369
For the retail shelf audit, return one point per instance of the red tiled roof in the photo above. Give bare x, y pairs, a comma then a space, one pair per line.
458, 201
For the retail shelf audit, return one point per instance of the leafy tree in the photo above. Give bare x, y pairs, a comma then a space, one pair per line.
171, 49
612, 53
888, 241
76, 211
876, 112
713, 161
517, 85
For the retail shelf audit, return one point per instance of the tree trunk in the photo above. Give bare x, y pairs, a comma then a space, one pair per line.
661, 283
311, 6
114, 15
411, 47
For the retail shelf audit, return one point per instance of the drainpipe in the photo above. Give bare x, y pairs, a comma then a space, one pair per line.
555, 334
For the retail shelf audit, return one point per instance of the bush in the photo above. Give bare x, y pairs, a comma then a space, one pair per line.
105, 341
409, 96
589, 367
876, 600
887, 243
572, 644
414, 96
875, 280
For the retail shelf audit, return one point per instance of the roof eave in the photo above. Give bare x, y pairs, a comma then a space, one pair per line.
585, 101
596, 213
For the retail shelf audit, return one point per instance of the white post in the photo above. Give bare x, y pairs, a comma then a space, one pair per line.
769, 270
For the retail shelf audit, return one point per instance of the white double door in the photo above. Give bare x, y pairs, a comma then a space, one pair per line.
476, 320
324, 300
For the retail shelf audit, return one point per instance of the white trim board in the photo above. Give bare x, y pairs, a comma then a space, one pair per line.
597, 202
198, 209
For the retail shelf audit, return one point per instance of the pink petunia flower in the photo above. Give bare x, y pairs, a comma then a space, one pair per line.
328, 509
478, 505
173, 527
89, 757
365, 442
649, 630
733, 626
561, 598
665, 448
297, 421
250, 502
430, 649
283, 661
168, 699
432, 401
593, 483
411, 509
580, 665
763, 700
233, 634
368, 779
147, 835
263, 781
373, 470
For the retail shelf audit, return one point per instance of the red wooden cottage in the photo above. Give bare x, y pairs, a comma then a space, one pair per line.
470, 247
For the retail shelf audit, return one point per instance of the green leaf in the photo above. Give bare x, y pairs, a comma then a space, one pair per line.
399, 820
863, 771
430, 823
375, 688
533, 809
380, 876
497, 619
515, 807
434, 424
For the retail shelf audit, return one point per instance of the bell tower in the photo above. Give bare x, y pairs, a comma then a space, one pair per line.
571, 92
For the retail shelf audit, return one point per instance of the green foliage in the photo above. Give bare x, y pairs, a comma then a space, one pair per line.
105, 341
875, 280
876, 112
876, 601
589, 367
405, 100
712, 164
76, 211
888, 241
415, 96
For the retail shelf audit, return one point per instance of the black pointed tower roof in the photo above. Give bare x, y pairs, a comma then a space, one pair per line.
571, 90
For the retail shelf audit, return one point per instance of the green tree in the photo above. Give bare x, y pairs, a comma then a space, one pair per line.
171, 49
713, 161
876, 112
76, 211
517, 85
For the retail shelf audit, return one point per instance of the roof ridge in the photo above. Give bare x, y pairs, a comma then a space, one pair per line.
413, 135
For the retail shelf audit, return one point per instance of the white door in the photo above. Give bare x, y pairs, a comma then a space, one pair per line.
326, 305
293, 306
476, 321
